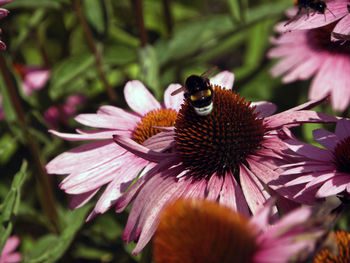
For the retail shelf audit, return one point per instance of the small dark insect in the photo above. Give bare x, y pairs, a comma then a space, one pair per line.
341, 36
318, 6
198, 92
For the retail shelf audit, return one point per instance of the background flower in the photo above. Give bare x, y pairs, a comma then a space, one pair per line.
3, 13
198, 231
322, 172
7, 254
304, 53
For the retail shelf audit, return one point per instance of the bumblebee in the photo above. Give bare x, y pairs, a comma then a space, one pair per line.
199, 93
318, 6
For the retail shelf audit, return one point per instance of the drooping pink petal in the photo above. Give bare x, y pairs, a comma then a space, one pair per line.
83, 157
309, 150
343, 26
140, 150
122, 180
139, 98
161, 141
106, 134
254, 192
105, 121
81, 199
333, 186
223, 79
264, 108
232, 196
175, 101
214, 187
327, 139
342, 129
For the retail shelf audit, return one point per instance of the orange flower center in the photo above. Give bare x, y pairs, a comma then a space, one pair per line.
221, 140
203, 231
155, 118
342, 255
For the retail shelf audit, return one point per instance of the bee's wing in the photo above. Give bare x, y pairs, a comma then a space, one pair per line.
177, 91
209, 72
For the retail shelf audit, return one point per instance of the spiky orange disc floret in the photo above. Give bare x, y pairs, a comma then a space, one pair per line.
342, 255
202, 231
221, 140
342, 155
160, 118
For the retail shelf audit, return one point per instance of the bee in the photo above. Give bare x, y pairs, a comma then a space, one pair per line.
198, 92
318, 6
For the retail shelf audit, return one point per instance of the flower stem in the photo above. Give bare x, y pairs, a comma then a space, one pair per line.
46, 196
140, 21
167, 16
97, 53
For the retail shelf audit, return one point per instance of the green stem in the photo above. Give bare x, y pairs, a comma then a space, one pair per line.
46, 197
97, 53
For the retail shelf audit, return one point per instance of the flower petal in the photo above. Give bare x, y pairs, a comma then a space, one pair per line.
223, 79
327, 139
175, 101
139, 98
333, 186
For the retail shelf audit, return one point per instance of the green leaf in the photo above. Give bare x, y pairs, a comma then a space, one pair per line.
8, 146
68, 70
9, 208
117, 55
10, 113
51, 247
96, 15
235, 10
55, 4
150, 69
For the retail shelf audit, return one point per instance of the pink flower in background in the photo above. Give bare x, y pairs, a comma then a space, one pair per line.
304, 53
193, 230
104, 163
7, 254
34, 77
227, 156
322, 172
336, 11
59, 115
3, 13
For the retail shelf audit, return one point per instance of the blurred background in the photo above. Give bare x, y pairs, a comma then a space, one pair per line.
67, 57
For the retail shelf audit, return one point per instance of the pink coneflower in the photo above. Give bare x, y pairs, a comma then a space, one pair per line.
59, 115
336, 11
7, 254
227, 156
34, 77
323, 172
202, 231
305, 53
3, 13
104, 163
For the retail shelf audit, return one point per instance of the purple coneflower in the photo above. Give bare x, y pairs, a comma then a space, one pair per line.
322, 172
304, 53
336, 11
7, 254
227, 156
103, 162
201, 231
